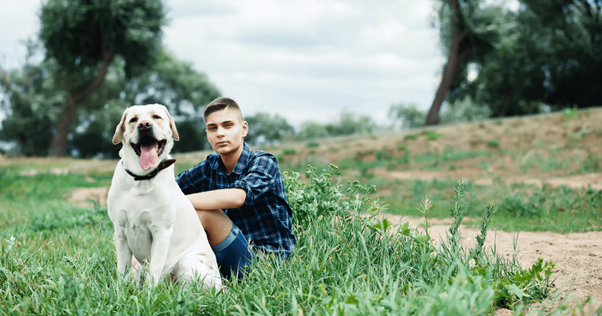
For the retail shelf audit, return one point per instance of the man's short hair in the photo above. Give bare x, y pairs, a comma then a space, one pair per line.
220, 104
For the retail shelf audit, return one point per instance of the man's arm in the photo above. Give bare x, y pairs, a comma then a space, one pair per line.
218, 199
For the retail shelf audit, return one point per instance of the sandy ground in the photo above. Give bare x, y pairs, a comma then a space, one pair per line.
578, 256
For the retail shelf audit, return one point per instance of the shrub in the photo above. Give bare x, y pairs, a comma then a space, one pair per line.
569, 113
432, 135
493, 144
289, 151
312, 143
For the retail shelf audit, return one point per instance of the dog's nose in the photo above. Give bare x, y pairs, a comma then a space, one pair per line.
144, 125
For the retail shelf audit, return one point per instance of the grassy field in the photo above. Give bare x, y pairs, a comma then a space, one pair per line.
57, 257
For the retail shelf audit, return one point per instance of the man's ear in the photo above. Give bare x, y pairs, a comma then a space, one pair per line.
172, 125
245, 128
118, 137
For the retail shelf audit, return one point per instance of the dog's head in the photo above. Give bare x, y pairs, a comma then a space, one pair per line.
147, 133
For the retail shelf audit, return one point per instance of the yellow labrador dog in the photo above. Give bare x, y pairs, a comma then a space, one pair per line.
153, 220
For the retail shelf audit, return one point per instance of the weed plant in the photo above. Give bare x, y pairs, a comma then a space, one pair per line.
348, 261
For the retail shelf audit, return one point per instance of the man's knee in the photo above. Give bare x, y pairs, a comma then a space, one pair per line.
216, 223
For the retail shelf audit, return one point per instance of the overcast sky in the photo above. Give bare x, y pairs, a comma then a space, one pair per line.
303, 59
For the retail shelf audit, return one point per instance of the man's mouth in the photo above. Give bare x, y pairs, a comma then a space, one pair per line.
149, 149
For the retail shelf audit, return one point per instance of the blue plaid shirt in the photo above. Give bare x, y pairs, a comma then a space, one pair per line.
265, 218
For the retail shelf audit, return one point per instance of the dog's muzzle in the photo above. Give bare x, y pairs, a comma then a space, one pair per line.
148, 147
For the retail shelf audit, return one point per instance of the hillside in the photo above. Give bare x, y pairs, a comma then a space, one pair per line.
543, 172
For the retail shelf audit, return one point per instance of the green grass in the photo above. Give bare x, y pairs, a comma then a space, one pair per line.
62, 259
520, 207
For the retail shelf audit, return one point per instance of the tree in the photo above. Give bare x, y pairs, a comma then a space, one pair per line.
267, 129
85, 36
468, 30
409, 114
551, 54
174, 83
572, 32
31, 103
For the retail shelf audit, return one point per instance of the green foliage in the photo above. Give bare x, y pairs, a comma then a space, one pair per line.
464, 110
192, 136
409, 115
432, 135
312, 130
493, 144
346, 124
311, 144
265, 129
569, 114
78, 34
455, 111
289, 151
324, 199
32, 104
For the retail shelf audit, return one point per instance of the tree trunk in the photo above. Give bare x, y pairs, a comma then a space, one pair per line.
506, 100
454, 59
59, 140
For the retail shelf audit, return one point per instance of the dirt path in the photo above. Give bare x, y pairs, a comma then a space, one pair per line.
578, 256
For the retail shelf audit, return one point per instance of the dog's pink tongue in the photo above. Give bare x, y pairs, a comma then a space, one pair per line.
148, 157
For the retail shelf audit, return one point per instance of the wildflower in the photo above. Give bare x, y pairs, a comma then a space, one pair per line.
472, 263
11, 242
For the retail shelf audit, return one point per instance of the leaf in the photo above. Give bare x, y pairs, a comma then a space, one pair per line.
512, 288
382, 225
352, 300
405, 229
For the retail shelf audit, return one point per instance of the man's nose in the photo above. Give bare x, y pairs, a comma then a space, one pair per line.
144, 125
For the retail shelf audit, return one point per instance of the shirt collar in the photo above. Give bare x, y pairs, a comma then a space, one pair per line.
240, 164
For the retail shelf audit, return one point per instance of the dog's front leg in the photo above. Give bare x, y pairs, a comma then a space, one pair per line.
124, 254
161, 239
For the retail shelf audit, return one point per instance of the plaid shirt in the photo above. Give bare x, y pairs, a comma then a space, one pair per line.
265, 218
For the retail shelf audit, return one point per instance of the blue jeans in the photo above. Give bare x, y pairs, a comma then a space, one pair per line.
233, 254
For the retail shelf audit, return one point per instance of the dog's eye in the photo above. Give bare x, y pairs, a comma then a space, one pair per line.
156, 117
133, 120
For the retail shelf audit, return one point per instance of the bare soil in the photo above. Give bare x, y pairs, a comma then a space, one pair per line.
578, 256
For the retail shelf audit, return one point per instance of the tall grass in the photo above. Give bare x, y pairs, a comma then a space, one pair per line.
348, 261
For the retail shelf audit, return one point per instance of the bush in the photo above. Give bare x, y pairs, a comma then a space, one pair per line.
289, 151
493, 144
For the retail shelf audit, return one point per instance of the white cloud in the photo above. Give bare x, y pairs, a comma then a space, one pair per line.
302, 59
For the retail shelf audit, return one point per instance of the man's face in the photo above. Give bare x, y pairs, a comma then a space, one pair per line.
226, 131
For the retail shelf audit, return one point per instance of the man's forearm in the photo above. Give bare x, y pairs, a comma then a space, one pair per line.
218, 199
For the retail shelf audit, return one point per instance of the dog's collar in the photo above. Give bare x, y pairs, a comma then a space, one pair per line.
164, 164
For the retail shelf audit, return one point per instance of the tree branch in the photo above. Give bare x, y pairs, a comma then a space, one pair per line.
106, 61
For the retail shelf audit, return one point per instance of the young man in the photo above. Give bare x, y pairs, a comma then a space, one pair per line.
238, 194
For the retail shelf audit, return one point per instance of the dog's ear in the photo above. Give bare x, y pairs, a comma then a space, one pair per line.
118, 137
172, 125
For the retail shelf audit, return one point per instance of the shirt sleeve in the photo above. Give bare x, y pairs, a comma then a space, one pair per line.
187, 179
257, 181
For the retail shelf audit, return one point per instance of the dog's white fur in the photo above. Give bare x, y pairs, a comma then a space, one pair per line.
153, 220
